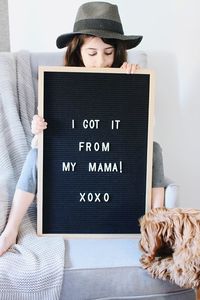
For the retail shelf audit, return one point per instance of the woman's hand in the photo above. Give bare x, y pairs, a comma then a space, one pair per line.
157, 197
130, 68
38, 124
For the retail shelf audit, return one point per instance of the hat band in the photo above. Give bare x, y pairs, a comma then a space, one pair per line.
98, 24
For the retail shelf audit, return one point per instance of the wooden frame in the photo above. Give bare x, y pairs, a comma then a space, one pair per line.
78, 70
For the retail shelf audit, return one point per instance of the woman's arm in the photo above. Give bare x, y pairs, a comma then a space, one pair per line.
157, 197
23, 197
158, 182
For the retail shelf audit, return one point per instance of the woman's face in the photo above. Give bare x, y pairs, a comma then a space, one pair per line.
96, 54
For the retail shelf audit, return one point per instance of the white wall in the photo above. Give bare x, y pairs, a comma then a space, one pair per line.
171, 31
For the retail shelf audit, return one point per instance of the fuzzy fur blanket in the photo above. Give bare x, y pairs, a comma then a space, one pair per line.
170, 242
33, 268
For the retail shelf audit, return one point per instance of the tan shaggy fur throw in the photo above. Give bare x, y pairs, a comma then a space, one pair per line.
170, 242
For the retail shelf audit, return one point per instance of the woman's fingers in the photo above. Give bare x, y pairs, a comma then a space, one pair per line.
38, 124
130, 68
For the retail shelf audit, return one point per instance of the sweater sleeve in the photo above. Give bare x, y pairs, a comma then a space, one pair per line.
158, 169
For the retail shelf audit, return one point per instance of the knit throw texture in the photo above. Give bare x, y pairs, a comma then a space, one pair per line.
33, 267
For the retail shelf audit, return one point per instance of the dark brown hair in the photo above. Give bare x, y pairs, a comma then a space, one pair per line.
73, 53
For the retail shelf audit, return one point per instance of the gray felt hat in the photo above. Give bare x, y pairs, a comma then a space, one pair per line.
99, 19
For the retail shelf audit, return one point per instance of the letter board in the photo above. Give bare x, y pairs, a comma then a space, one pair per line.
95, 157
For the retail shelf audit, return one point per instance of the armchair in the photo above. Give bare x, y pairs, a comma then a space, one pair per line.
94, 269
110, 269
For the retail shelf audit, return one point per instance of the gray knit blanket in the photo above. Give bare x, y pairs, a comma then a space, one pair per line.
32, 268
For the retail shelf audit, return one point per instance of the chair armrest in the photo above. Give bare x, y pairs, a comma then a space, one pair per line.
171, 194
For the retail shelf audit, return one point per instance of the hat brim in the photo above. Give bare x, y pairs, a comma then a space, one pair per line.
130, 41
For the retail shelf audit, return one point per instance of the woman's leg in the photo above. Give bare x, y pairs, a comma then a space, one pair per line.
20, 205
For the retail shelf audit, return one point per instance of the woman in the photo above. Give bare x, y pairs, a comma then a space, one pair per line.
96, 41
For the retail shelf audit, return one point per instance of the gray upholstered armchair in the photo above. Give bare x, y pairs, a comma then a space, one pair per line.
110, 269
94, 269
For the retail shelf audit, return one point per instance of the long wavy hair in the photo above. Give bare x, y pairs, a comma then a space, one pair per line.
73, 52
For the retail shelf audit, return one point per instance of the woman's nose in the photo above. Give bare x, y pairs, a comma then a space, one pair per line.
100, 62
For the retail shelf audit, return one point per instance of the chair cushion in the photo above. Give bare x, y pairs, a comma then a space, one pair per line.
110, 269
101, 253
